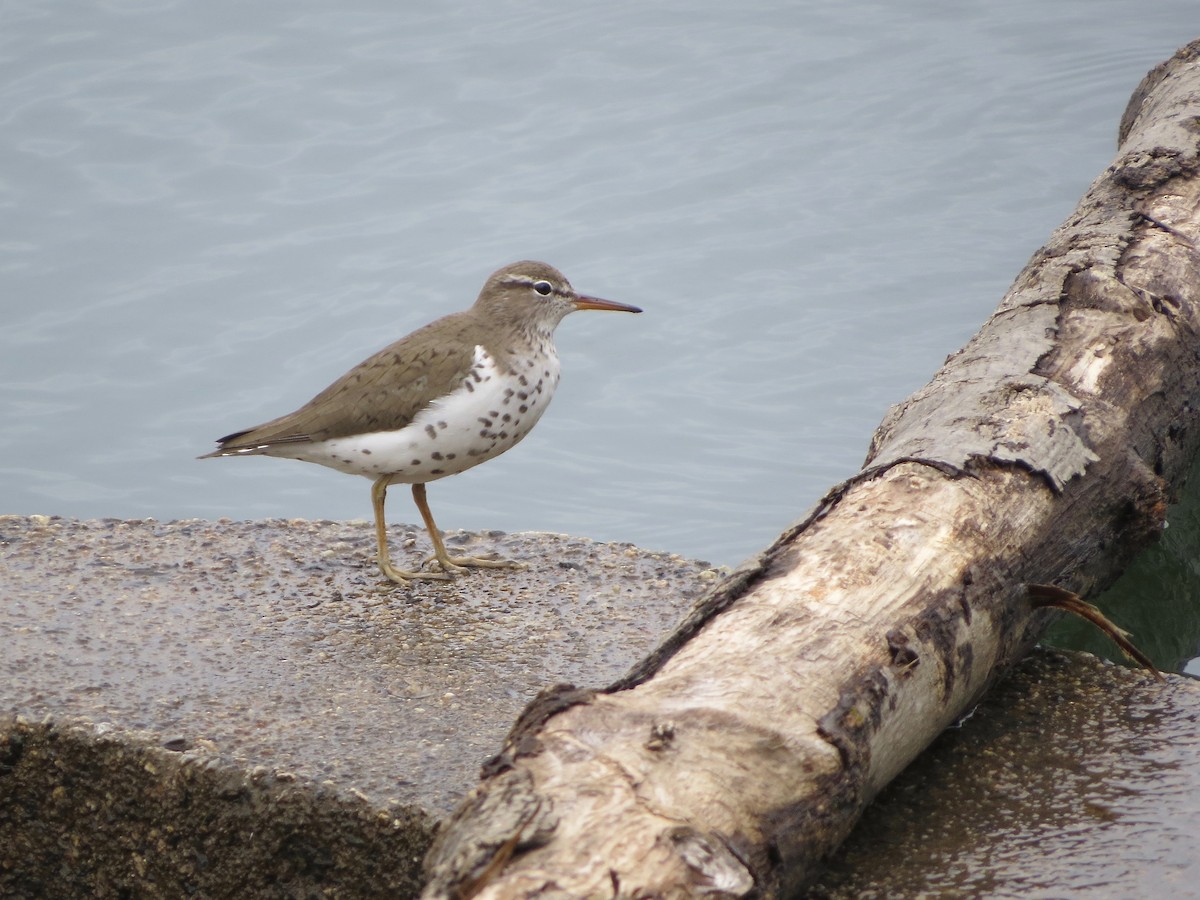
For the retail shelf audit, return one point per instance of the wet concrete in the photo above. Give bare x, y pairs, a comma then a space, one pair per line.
1074, 778
245, 662
244, 709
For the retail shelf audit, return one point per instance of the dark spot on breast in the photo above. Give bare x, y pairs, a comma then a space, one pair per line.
416, 462
503, 435
523, 395
475, 374
435, 455
504, 418
470, 387
523, 408
474, 452
436, 472
508, 392
431, 431
483, 433
451, 455
365, 451
523, 380
487, 422
493, 413
443, 426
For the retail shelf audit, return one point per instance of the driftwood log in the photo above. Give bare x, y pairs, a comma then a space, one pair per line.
1045, 451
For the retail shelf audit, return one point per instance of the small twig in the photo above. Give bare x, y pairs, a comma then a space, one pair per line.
500, 856
1169, 229
1047, 596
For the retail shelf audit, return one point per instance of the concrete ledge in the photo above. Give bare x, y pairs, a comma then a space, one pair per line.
244, 708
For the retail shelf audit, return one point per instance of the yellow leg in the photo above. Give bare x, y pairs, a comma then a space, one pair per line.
378, 497
447, 562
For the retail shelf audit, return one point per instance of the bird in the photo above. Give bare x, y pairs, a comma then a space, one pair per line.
451, 395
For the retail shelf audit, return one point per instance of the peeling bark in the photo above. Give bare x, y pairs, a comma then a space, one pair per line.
736, 757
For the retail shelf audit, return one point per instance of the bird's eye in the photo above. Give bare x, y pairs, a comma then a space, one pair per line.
543, 287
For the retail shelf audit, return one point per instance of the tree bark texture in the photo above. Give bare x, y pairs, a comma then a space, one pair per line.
735, 758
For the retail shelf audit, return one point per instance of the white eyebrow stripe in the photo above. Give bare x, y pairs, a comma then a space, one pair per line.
530, 282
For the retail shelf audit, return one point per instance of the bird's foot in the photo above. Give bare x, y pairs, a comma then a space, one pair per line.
449, 564
400, 576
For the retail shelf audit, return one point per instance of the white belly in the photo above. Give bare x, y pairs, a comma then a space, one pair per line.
463, 429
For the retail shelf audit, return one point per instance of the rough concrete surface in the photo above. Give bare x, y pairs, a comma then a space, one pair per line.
205, 708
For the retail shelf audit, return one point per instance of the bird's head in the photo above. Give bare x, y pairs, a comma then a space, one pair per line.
533, 295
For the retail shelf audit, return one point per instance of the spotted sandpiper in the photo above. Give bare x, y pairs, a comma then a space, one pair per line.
449, 396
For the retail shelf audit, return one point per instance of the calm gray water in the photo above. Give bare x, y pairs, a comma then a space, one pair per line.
210, 210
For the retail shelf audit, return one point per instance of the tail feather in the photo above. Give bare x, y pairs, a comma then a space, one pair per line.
242, 443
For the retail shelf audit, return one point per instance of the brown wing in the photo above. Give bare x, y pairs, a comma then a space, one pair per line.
382, 393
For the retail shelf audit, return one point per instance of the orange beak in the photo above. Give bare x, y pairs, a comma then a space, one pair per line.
583, 302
